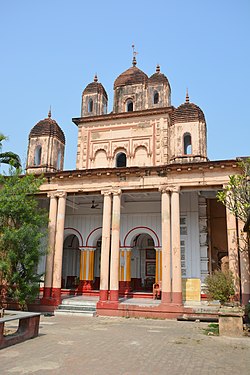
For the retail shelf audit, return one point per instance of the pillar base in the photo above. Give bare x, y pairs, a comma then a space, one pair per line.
165, 297
177, 298
56, 295
114, 295
103, 295
46, 292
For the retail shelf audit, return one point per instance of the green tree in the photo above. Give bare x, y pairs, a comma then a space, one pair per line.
8, 157
236, 195
220, 286
22, 225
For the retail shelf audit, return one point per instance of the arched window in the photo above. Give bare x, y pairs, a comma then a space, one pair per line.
130, 106
156, 97
59, 157
90, 105
187, 144
121, 160
38, 155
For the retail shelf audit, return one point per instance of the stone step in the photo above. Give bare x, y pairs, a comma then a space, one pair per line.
86, 309
77, 307
74, 313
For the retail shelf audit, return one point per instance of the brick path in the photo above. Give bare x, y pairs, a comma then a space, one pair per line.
119, 346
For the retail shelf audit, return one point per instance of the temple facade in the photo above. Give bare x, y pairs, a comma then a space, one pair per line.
140, 208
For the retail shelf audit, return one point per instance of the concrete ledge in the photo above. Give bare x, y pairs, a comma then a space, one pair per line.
231, 322
28, 327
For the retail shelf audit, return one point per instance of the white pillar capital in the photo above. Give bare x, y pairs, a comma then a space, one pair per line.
61, 194
174, 188
52, 194
116, 191
106, 192
164, 189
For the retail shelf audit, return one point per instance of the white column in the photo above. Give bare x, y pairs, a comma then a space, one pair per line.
244, 264
115, 246
105, 249
166, 243
176, 248
57, 271
51, 245
233, 251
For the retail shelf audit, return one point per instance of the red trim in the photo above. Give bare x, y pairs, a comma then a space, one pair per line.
114, 295
165, 297
91, 234
46, 292
177, 298
56, 295
142, 227
103, 295
80, 245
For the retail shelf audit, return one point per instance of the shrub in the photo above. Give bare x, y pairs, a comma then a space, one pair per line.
220, 286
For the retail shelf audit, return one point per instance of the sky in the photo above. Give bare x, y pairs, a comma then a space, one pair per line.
51, 49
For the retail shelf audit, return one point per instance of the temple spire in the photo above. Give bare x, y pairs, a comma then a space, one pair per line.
134, 62
187, 96
49, 113
95, 78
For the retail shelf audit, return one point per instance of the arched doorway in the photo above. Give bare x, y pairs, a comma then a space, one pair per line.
71, 262
143, 263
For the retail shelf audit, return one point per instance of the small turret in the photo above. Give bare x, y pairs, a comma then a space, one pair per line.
46, 147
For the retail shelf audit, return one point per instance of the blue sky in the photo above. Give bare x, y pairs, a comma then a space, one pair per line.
51, 49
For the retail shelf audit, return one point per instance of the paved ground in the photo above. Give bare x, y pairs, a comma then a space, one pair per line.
120, 346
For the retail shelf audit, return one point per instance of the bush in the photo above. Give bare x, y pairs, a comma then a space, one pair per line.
220, 286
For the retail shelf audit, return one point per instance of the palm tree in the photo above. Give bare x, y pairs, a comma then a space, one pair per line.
8, 157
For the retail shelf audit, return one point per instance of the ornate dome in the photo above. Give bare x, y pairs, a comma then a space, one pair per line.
158, 77
47, 127
188, 112
95, 87
131, 76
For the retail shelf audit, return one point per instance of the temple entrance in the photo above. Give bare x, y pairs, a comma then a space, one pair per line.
143, 263
71, 262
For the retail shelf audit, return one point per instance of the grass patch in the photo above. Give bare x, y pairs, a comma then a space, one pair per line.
212, 329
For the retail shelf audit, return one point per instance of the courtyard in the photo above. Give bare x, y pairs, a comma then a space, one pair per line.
120, 346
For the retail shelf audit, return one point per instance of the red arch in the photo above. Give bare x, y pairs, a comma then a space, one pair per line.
90, 234
142, 227
78, 234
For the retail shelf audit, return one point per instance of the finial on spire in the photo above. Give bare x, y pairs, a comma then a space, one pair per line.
187, 96
49, 113
134, 62
95, 78
158, 69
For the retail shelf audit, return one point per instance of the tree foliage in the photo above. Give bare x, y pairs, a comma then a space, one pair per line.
22, 225
8, 157
236, 195
220, 286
